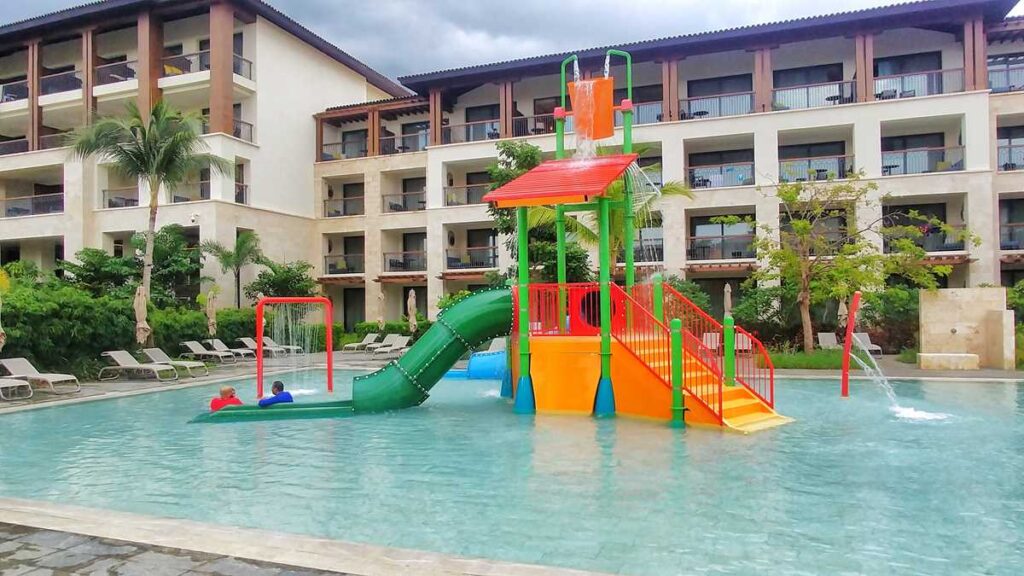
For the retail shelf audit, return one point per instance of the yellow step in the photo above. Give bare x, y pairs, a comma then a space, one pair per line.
756, 422
743, 406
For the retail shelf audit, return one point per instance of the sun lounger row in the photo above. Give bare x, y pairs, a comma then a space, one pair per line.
828, 341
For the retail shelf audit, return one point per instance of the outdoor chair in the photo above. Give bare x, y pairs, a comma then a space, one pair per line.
196, 351
268, 350
125, 363
357, 346
11, 389
218, 346
864, 340
828, 341
388, 340
268, 341
401, 344
158, 356
22, 369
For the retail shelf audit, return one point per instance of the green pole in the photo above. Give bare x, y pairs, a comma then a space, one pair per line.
604, 402
562, 276
729, 363
560, 122
678, 400
658, 294
627, 148
524, 403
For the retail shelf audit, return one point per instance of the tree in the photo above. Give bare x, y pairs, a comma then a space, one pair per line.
823, 252
246, 251
99, 273
692, 291
287, 279
163, 148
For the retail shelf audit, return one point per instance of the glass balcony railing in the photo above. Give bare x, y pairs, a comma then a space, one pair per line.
408, 202
733, 247
814, 95
242, 130
13, 91
61, 82
919, 84
471, 132
336, 264
922, 161
648, 250
351, 206
643, 113
722, 175
465, 195
186, 64
1011, 236
716, 106
1006, 77
405, 143
125, 197
15, 146
405, 261
191, 192
1010, 158
116, 72
50, 141
934, 239
472, 257
817, 168
242, 67
344, 150
32, 205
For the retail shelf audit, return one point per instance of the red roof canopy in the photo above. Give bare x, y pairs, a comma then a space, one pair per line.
568, 181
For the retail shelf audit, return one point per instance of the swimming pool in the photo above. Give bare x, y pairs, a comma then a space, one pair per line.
848, 488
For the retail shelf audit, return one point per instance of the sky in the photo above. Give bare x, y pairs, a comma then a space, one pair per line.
399, 37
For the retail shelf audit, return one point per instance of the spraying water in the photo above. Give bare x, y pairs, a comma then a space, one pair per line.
870, 367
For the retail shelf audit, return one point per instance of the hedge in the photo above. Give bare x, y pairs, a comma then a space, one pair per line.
400, 327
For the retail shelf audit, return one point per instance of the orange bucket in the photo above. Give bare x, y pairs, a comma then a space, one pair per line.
592, 107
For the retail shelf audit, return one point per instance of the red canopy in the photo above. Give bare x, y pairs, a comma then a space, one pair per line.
568, 181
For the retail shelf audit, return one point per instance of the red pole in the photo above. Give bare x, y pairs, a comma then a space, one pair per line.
851, 320
259, 349
329, 342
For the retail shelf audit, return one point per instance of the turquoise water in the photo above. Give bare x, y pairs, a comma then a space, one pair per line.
849, 488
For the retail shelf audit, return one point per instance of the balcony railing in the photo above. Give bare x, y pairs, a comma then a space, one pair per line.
32, 205
351, 206
241, 193
650, 250
471, 132
817, 168
1011, 236
1010, 158
722, 175
61, 82
14, 91
335, 264
116, 72
934, 239
922, 161
186, 64
731, 247
472, 257
405, 261
919, 84
242, 67
644, 113
407, 202
465, 195
405, 143
1006, 77
344, 150
126, 197
242, 130
717, 106
50, 141
191, 192
13, 146
813, 95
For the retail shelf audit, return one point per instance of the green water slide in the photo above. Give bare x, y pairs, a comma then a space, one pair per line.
460, 328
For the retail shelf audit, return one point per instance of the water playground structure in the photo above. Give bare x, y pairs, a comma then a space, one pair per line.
639, 349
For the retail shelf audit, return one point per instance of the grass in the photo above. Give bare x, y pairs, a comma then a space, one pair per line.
817, 360
907, 356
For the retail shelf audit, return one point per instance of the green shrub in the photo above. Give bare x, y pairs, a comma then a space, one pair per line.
400, 327
451, 298
770, 313
693, 291
173, 326
817, 360
235, 323
1020, 346
907, 356
337, 333
890, 317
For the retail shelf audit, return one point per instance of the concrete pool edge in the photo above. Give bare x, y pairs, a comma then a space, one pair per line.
259, 545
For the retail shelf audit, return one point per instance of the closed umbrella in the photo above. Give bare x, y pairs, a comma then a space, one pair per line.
211, 313
410, 308
380, 310
727, 299
142, 329
842, 313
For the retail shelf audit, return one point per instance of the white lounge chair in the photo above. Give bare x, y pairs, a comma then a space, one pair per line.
743, 344
126, 363
712, 340
357, 346
268, 350
864, 340
196, 351
158, 356
12, 389
268, 341
22, 369
828, 341
401, 344
216, 345
388, 340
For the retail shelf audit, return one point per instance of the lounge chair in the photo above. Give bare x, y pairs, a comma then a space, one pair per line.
401, 344
196, 351
158, 356
864, 340
126, 363
743, 344
357, 346
712, 341
388, 340
12, 389
218, 346
22, 369
828, 341
268, 350
268, 341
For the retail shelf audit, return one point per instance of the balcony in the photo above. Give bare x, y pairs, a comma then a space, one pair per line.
345, 150
351, 206
406, 202
337, 264
61, 82
242, 67
652, 250
127, 197
13, 91
32, 205
404, 143
722, 175
465, 195
814, 95
185, 64
51, 141
922, 161
1011, 236
472, 257
405, 261
1006, 77
15, 146
191, 192
732, 247
241, 193
116, 72
919, 84
644, 113
242, 130
1010, 158
716, 106
471, 132
934, 239
817, 168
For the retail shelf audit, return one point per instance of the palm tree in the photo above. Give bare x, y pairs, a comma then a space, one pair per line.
246, 251
163, 149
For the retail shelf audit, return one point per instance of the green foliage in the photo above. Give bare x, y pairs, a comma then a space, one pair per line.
769, 312
816, 360
545, 255
451, 298
172, 326
906, 355
515, 158
1019, 337
891, 317
338, 334
99, 273
277, 280
1014, 301
234, 323
25, 271
401, 327
693, 291
245, 251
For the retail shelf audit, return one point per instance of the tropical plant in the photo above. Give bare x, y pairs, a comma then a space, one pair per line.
5, 287
287, 279
245, 251
451, 298
162, 148
693, 291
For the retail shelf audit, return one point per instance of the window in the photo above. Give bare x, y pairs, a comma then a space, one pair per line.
705, 227
721, 157
1006, 60
414, 136
908, 64
911, 142
543, 106
173, 50
481, 238
352, 190
897, 215
641, 94
817, 150
718, 86
414, 185
353, 245
481, 113
414, 242
118, 248
831, 226
808, 75
353, 143
1010, 136
1011, 211
10, 253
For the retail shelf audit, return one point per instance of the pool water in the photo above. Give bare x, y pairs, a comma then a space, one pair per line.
849, 488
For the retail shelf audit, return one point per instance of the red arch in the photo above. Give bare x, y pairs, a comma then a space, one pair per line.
328, 337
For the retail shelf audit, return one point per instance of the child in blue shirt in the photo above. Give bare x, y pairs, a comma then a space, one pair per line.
279, 397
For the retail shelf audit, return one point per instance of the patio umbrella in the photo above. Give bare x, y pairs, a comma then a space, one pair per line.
842, 313
410, 308
211, 312
380, 310
5, 285
142, 329
727, 299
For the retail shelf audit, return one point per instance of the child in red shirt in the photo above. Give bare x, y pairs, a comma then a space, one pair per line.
227, 398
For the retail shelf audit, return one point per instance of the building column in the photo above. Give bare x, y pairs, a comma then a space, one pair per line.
222, 98
763, 87
318, 154
437, 247
982, 219
865, 49
867, 147
436, 117
88, 73
505, 111
373, 132
980, 55
670, 90
35, 113
766, 157
151, 51
968, 44
373, 247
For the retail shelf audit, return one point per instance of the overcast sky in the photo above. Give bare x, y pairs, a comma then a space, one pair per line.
399, 37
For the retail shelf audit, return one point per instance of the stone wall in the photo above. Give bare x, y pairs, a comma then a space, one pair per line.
968, 321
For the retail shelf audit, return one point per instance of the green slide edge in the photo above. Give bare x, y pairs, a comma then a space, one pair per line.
292, 411
405, 383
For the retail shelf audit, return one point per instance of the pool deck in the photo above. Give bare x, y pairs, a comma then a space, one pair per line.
894, 369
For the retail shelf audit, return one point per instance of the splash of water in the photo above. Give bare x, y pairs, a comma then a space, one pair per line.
871, 368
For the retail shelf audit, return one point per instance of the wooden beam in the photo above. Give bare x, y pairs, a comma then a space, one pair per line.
758, 80
35, 113
151, 52
968, 44
436, 116
767, 80
980, 55
222, 98
670, 90
319, 139
88, 74
373, 132
505, 113
865, 49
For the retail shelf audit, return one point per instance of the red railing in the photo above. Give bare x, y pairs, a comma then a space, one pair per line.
754, 368
579, 314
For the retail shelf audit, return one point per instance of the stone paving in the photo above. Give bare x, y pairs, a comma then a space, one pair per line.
26, 551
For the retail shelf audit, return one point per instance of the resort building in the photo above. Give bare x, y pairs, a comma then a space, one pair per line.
380, 185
